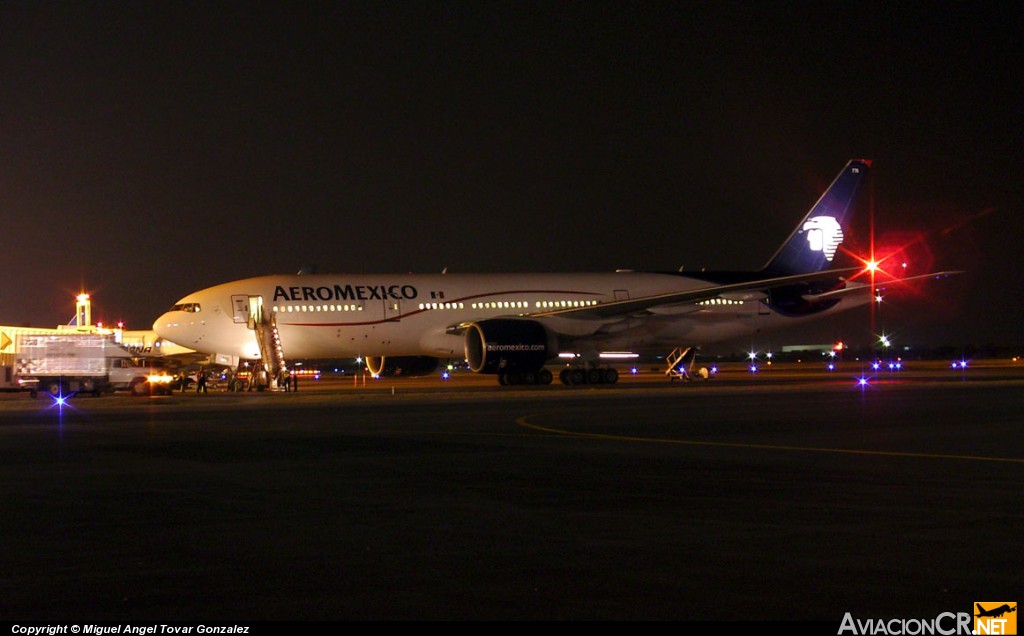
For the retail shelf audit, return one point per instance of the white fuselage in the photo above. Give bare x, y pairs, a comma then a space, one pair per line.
340, 315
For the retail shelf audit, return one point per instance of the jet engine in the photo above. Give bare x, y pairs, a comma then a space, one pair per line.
404, 366
506, 344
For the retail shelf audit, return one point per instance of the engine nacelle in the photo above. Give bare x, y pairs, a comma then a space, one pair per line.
403, 366
506, 344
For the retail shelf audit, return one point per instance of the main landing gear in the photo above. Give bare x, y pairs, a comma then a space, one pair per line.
568, 376
575, 376
541, 376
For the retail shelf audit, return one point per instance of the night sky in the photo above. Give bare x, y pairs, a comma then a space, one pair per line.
149, 149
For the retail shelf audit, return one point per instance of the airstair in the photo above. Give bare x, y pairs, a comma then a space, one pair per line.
680, 365
269, 370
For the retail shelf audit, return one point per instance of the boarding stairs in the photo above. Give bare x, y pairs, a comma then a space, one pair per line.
270, 369
680, 365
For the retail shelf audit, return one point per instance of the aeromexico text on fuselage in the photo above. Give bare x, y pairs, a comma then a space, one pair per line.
345, 292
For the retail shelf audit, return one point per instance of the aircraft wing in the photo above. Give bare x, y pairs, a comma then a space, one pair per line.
634, 305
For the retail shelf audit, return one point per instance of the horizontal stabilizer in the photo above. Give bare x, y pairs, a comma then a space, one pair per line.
858, 287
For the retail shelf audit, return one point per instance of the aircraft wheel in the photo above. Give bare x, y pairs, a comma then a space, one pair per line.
611, 376
576, 376
529, 377
502, 380
544, 377
594, 376
514, 378
563, 376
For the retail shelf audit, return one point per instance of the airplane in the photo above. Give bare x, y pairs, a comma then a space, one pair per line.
995, 612
512, 325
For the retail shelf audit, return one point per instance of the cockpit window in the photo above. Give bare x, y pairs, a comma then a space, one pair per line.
189, 307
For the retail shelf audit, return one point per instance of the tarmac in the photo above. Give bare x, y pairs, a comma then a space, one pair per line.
787, 494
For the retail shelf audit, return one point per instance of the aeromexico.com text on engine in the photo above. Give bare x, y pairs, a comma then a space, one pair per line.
492, 346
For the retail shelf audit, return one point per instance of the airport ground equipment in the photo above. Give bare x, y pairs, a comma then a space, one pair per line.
269, 370
681, 364
62, 364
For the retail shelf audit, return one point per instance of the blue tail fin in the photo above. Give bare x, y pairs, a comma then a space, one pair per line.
813, 244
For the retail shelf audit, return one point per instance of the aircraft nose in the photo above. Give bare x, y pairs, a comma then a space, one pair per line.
164, 326
177, 326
